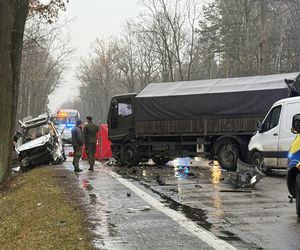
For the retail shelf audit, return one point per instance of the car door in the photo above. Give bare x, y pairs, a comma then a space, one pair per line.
269, 136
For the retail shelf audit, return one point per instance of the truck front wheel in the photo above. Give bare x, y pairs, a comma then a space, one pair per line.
228, 155
129, 155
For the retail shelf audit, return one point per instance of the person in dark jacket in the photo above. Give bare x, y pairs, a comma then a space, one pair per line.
77, 143
89, 132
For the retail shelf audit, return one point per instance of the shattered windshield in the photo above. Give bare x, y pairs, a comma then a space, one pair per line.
34, 133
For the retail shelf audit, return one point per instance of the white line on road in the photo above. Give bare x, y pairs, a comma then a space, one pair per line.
204, 235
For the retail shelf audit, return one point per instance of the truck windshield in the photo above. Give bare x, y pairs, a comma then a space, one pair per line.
124, 107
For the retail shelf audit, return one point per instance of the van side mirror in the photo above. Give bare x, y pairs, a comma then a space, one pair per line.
259, 126
296, 124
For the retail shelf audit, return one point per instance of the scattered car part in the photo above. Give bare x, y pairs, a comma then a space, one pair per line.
246, 175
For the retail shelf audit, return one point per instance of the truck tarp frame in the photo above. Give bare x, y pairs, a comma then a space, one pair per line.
214, 99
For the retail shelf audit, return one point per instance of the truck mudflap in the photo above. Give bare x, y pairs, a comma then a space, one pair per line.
246, 175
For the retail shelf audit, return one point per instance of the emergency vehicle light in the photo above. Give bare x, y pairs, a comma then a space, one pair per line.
62, 114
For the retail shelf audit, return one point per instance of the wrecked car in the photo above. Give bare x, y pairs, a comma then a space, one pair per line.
38, 142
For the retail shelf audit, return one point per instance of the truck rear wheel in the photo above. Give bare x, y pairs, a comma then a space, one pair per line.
129, 155
116, 152
228, 155
297, 193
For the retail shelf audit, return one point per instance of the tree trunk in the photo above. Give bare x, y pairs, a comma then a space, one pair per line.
12, 21
263, 38
247, 60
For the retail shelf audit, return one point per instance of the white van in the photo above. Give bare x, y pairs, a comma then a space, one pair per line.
273, 137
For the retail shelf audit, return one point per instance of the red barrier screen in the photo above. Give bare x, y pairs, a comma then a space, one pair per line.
103, 150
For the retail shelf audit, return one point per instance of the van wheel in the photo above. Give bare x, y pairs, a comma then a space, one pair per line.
258, 161
297, 192
228, 155
129, 155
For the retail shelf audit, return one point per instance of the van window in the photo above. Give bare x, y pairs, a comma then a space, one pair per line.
272, 119
291, 109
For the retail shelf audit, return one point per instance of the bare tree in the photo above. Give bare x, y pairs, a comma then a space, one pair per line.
13, 15
100, 76
44, 61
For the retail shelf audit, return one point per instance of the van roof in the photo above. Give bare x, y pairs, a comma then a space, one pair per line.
287, 100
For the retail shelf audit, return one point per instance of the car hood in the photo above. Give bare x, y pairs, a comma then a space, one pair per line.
34, 143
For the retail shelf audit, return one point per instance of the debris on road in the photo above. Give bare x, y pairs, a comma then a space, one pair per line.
160, 180
112, 162
246, 176
87, 185
146, 208
235, 191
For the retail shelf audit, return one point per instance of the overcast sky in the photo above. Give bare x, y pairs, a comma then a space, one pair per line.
91, 19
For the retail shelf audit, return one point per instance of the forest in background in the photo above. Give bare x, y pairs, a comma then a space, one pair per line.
171, 40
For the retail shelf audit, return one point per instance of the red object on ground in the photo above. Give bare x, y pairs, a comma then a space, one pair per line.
103, 150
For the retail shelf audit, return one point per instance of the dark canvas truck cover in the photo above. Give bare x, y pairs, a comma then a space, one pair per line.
188, 104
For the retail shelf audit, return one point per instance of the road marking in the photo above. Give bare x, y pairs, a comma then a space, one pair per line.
204, 235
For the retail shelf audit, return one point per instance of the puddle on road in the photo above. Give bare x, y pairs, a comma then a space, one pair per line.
112, 230
216, 174
229, 236
195, 214
182, 170
93, 198
190, 176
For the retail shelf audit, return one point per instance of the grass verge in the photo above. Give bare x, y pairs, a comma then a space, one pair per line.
38, 212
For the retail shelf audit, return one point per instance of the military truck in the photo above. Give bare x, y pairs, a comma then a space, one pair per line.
212, 118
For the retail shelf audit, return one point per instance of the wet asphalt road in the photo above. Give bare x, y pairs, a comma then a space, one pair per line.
261, 218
